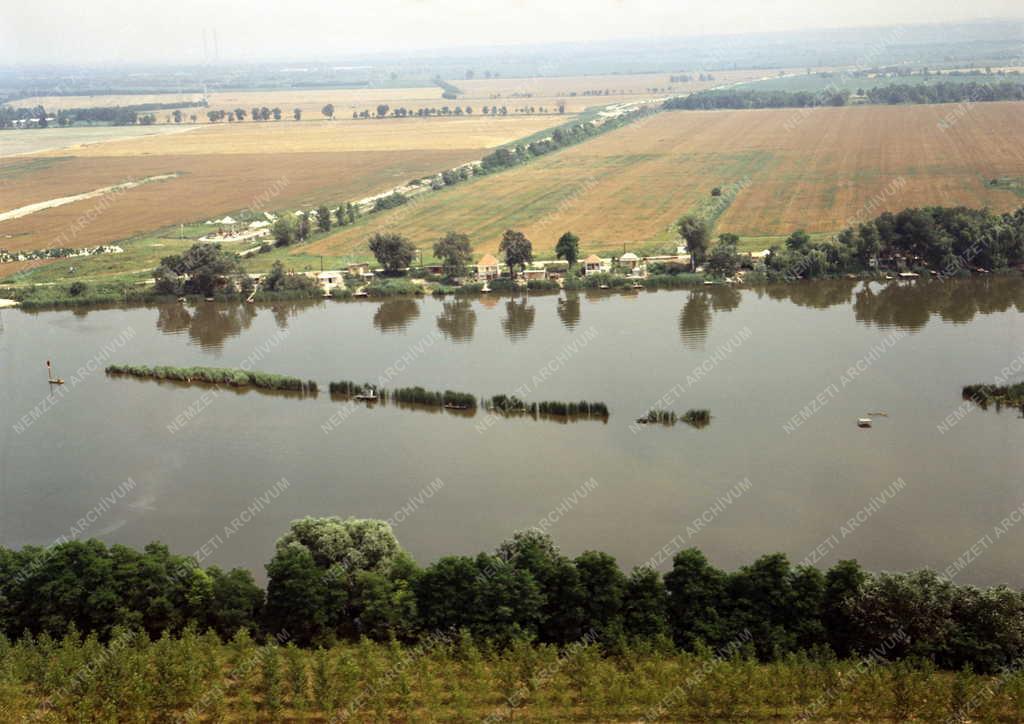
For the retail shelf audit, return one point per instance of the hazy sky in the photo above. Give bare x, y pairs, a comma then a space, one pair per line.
172, 30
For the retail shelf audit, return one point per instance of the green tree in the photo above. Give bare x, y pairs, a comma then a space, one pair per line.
694, 232
843, 584
328, 110
455, 251
517, 249
236, 602
798, 241
645, 606
283, 231
562, 616
297, 595
277, 114
206, 268
604, 587
339, 553
723, 260
696, 592
297, 114
393, 251
323, 218
568, 248
302, 227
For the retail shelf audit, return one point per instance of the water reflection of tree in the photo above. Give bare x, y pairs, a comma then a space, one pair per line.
910, 306
569, 309
207, 324
817, 294
695, 317
394, 315
285, 310
520, 314
457, 320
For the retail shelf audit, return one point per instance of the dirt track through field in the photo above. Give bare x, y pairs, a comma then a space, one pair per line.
54, 203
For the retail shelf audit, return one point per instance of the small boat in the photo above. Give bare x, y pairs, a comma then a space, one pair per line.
181, 299
370, 396
49, 374
485, 288
603, 286
209, 299
359, 293
455, 406
637, 285
863, 422
878, 414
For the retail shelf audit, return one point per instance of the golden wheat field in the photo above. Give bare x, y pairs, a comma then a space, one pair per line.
789, 169
223, 168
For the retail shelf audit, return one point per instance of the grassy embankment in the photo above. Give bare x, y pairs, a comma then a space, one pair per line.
198, 678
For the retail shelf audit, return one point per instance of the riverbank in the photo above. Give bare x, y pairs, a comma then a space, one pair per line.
132, 293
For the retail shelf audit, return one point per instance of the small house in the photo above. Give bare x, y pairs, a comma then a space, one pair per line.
593, 265
329, 280
487, 268
629, 261
531, 274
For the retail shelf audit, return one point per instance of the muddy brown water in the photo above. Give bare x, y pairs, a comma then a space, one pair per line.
786, 371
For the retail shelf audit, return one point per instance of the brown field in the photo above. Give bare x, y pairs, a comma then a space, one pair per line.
385, 134
812, 170
494, 91
225, 168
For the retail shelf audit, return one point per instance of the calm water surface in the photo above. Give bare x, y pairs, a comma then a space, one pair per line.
754, 357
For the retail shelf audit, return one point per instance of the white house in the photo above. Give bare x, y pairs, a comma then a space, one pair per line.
593, 264
487, 268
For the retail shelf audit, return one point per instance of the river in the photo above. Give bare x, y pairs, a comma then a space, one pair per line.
786, 371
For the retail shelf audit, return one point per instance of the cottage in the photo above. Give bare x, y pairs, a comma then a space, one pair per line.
488, 268
530, 274
629, 260
593, 265
328, 280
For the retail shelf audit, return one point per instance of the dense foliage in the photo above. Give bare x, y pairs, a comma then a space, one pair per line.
748, 99
566, 135
112, 115
393, 251
333, 579
949, 241
203, 269
940, 92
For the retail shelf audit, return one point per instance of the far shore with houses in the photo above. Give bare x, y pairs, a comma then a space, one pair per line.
489, 268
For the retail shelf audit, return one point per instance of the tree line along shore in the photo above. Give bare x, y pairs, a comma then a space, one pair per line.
349, 626
943, 242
